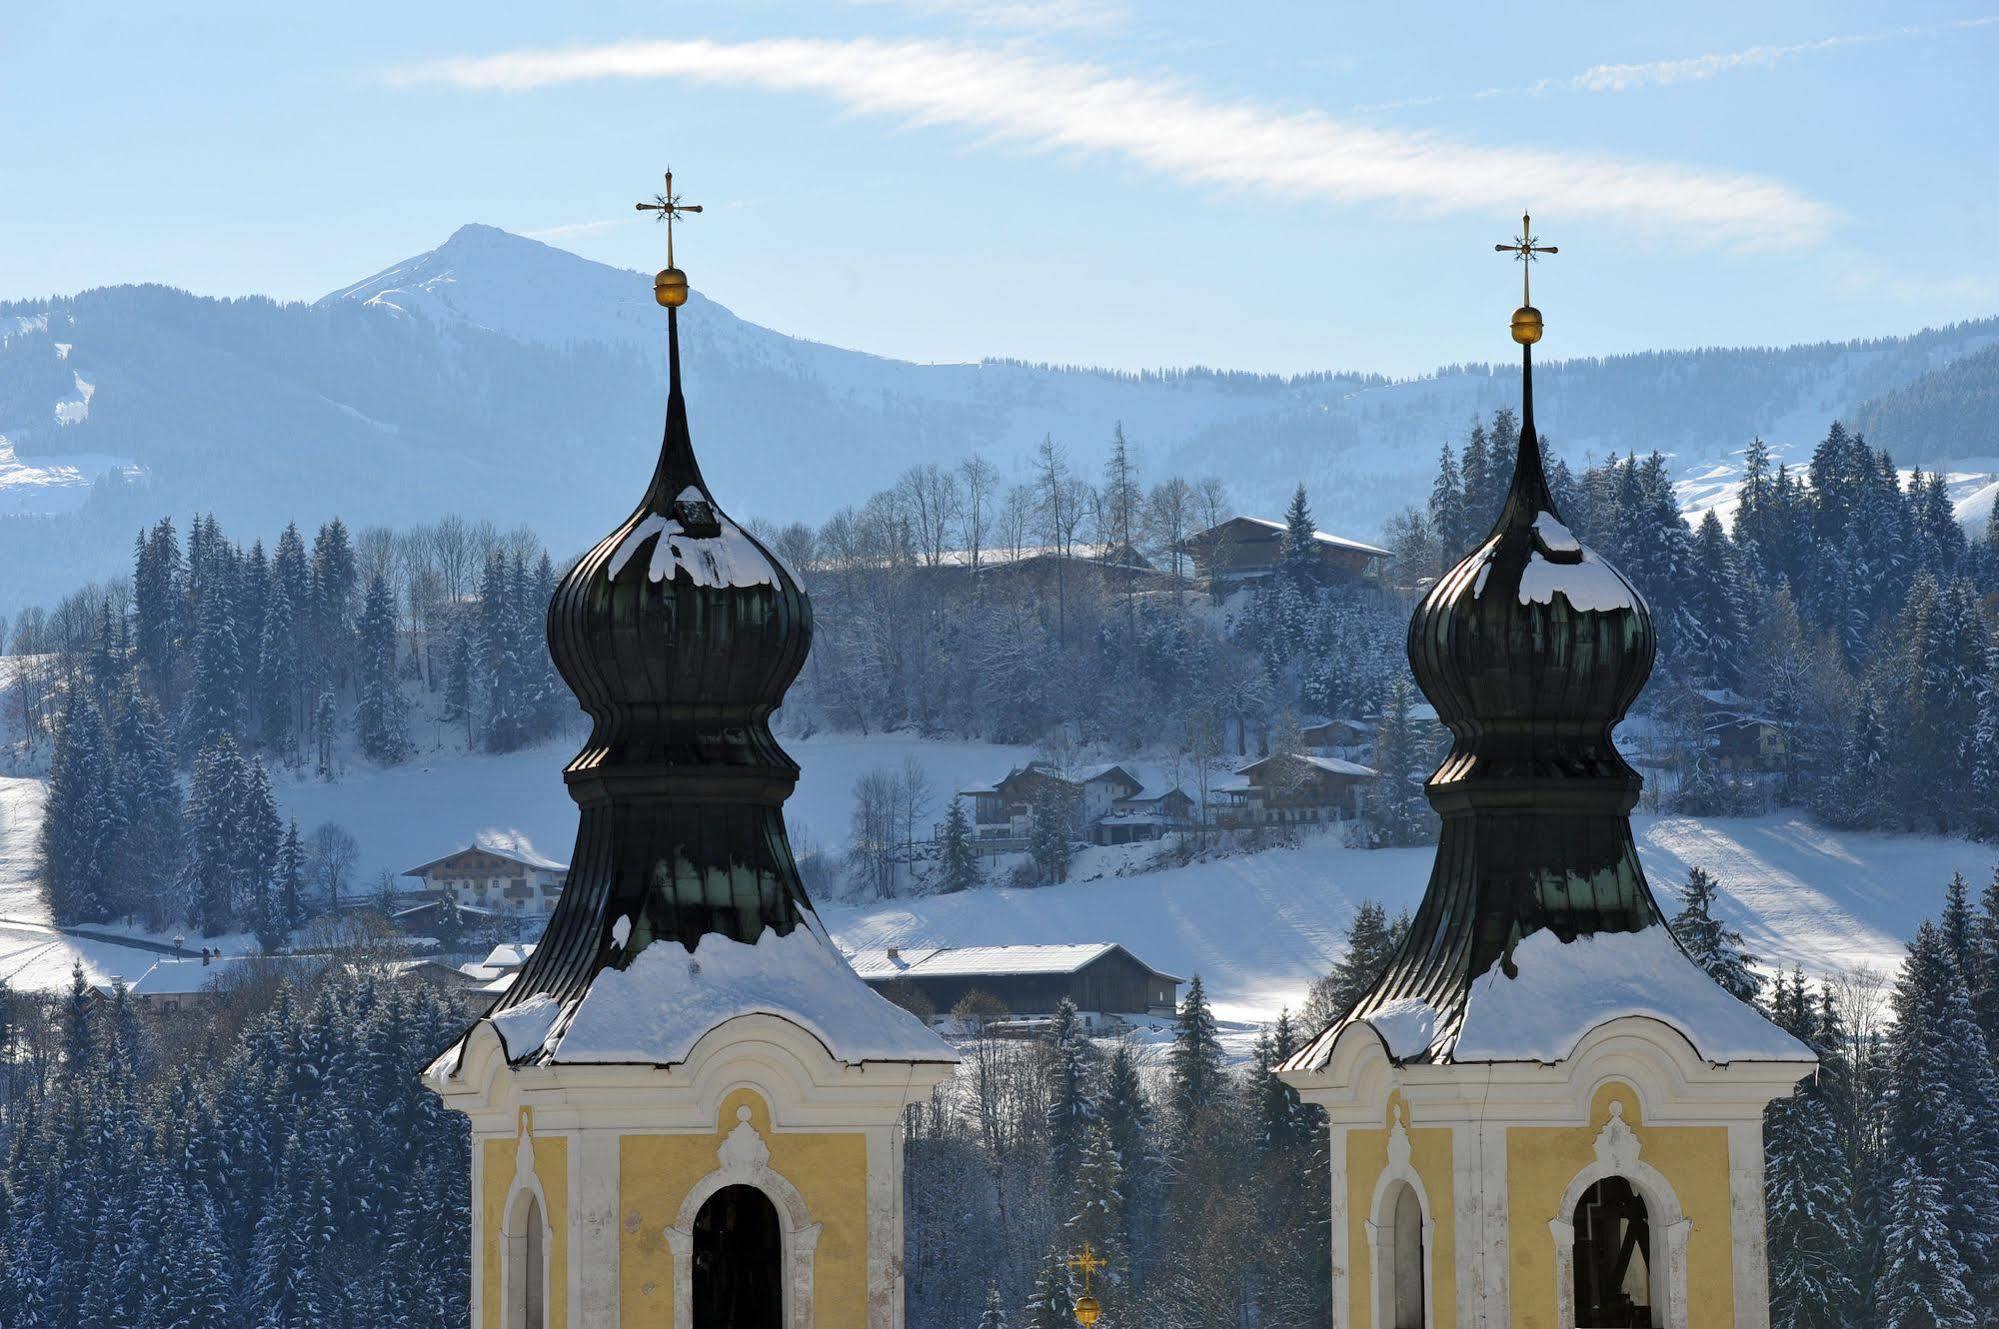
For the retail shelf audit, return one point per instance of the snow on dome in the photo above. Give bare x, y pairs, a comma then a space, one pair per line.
1587, 581
656, 1009
1564, 990
1553, 536
1407, 1025
525, 1027
728, 559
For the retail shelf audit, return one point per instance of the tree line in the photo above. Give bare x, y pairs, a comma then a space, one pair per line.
272, 1162
221, 662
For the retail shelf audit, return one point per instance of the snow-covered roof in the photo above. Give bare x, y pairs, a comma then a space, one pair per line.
509, 955
1331, 765
1322, 537
1560, 991
653, 1011
982, 961
510, 845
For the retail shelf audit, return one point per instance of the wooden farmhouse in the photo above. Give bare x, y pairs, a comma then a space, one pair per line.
1105, 981
1293, 789
1249, 550
1108, 803
492, 877
1739, 736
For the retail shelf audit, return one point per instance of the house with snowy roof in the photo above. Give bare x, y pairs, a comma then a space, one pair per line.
1245, 551
1104, 980
493, 874
1292, 789
1107, 802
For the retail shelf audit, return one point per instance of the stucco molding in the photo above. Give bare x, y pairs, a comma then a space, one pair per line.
1617, 1149
514, 1234
744, 1160
1381, 1229
785, 1063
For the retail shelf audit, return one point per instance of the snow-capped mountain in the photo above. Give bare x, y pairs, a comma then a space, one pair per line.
468, 378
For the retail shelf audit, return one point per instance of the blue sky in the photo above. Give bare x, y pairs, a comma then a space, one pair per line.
1268, 186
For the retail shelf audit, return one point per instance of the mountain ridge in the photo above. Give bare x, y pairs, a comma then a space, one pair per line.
475, 376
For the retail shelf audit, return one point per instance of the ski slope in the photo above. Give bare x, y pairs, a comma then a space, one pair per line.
1258, 928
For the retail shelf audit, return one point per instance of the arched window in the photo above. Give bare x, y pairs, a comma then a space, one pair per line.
527, 1265
1613, 1258
1408, 1276
738, 1262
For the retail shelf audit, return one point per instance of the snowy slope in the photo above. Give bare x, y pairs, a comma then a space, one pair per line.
1258, 928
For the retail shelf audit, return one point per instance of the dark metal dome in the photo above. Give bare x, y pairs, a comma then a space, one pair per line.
1531, 649
679, 633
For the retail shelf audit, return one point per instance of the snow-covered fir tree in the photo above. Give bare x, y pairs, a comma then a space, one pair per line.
1714, 945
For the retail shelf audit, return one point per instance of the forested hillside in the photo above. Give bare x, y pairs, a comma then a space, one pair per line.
1949, 412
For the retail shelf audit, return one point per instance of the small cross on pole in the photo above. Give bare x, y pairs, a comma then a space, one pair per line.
1523, 248
670, 209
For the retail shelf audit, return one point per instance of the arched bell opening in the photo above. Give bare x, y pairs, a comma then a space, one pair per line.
1406, 1274
526, 1264
1613, 1260
738, 1261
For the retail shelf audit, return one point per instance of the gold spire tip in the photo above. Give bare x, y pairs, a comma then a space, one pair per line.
1526, 319
669, 287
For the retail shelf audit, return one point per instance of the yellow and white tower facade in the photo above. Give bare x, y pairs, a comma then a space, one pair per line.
686, 1113
1544, 1113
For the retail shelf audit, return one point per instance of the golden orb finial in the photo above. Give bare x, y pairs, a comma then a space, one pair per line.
1526, 319
669, 286
1088, 1312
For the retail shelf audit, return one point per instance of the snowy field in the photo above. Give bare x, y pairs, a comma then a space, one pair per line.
1260, 928
1257, 928
413, 813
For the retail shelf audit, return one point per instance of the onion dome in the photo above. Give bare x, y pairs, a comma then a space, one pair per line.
679, 633
1531, 649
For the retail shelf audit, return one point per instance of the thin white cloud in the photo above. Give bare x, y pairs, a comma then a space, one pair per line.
1019, 15
1698, 68
1683, 69
567, 229
1015, 98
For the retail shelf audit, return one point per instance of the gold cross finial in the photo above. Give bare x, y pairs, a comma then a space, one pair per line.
670, 209
1523, 248
1088, 1310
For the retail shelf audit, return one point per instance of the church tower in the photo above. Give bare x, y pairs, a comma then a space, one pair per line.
1544, 1114
686, 1111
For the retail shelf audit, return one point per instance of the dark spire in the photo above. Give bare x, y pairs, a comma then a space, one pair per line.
1531, 649
679, 634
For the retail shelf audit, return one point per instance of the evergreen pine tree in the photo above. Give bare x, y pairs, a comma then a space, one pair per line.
279, 675
1195, 1081
1300, 564
81, 822
147, 859
1712, 944
1070, 1106
1371, 943
215, 696
1396, 806
994, 1317
381, 716
1924, 1282
959, 867
1811, 1238
1050, 842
